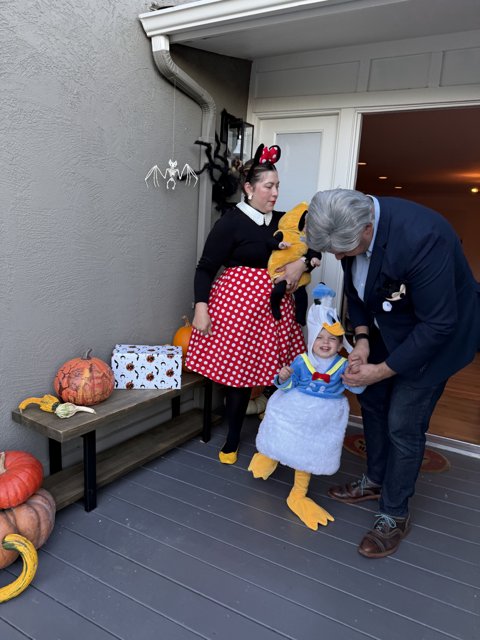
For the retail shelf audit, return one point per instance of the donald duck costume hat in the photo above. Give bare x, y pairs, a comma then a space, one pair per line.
323, 315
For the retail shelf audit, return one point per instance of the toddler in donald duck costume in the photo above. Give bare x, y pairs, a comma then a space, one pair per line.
306, 418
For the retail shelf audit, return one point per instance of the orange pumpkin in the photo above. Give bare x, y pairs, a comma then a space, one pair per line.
84, 381
21, 474
182, 338
34, 519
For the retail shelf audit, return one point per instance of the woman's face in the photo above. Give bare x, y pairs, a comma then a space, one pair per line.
264, 193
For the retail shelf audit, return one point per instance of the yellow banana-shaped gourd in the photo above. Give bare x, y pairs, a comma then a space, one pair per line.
16, 542
47, 403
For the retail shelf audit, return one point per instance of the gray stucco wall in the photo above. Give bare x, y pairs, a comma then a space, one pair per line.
90, 256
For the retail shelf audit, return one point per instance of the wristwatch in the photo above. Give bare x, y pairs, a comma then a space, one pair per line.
360, 336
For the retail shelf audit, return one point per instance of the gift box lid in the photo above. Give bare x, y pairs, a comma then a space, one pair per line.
146, 348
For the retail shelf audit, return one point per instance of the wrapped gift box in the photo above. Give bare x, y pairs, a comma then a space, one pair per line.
141, 366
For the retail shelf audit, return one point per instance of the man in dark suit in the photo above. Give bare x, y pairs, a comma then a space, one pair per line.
415, 309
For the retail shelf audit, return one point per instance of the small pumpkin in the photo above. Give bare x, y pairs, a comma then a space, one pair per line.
33, 519
20, 545
21, 474
182, 338
84, 381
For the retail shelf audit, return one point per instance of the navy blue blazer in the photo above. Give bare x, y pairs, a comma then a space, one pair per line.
434, 329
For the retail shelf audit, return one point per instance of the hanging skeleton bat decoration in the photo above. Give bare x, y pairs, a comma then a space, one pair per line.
171, 175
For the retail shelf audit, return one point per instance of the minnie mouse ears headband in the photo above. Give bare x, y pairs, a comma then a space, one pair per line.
264, 155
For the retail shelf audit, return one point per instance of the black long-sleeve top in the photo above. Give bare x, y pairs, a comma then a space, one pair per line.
236, 240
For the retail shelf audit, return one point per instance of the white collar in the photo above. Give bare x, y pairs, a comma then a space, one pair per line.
253, 214
376, 210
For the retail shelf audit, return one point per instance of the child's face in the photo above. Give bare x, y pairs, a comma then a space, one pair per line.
326, 345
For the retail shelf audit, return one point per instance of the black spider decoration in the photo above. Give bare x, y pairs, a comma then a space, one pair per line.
225, 177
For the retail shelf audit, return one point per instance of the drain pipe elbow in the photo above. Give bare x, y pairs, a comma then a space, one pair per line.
186, 84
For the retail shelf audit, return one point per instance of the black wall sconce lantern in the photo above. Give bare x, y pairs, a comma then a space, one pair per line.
237, 135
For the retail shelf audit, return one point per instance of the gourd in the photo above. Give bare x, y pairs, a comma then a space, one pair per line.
257, 403
34, 519
19, 545
53, 405
46, 403
182, 338
84, 381
21, 474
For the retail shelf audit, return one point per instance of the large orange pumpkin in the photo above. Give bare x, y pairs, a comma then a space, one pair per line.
21, 474
34, 519
182, 338
84, 381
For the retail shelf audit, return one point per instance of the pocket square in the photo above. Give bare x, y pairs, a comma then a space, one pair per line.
398, 295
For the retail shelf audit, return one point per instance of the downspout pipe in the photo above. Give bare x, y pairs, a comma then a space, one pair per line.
186, 84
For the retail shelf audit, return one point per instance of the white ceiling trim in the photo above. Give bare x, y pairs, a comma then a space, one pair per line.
212, 17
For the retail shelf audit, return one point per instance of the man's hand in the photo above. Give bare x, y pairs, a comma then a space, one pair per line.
358, 356
367, 374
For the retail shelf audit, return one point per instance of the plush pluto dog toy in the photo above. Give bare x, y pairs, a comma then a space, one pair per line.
289, 246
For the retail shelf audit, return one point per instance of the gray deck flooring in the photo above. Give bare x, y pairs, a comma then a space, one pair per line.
186, 548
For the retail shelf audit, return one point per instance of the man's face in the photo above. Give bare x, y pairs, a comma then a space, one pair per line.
365, 240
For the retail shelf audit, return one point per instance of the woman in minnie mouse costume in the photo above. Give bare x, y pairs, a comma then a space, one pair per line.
236, 341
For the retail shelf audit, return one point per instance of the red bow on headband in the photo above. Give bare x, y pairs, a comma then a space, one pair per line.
321, 376
270, 154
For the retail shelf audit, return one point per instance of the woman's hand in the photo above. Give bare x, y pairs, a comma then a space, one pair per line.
284, 374
201, 320
291, 272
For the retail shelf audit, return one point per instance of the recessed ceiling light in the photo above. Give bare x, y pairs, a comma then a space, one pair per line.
382, 177
474, 189
398, 187
362, 164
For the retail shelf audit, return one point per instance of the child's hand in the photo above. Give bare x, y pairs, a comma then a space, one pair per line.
284, 374
284, 245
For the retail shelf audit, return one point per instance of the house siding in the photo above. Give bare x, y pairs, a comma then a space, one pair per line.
90, 256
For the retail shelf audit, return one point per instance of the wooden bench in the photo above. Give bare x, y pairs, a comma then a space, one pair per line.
69, 485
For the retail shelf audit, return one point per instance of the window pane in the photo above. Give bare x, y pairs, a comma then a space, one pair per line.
298, 168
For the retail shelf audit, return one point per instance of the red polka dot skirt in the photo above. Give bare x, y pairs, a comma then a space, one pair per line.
248, 346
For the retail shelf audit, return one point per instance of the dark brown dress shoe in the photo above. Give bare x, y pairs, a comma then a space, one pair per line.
356, 491
385, 537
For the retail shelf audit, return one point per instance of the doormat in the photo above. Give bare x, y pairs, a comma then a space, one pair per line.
433, 462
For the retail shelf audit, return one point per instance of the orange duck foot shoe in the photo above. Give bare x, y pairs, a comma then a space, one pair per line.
228, 458
309, 512
261, 466
385, 537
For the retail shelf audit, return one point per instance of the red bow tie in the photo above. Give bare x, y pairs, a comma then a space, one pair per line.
321, 376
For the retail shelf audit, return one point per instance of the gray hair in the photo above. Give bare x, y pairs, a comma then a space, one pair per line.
336, 220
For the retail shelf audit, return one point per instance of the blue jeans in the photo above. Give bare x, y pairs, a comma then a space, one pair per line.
396, 417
